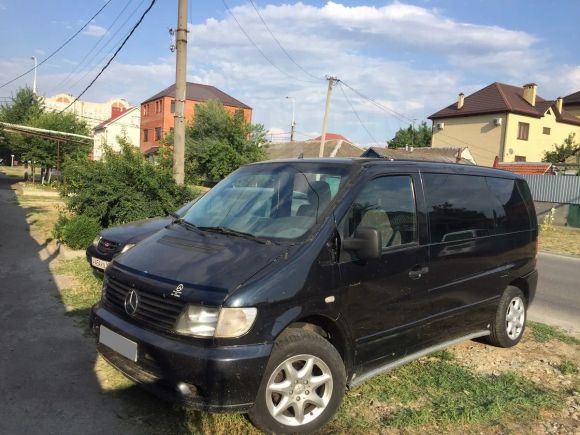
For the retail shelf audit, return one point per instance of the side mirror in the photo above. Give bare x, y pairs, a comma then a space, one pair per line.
366, 242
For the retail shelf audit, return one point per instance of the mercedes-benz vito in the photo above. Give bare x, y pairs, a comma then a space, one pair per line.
292, 280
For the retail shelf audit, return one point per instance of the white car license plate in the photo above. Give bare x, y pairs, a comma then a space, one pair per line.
98, 263
118, 343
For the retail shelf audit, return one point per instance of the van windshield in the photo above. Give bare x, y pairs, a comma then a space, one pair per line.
270, 201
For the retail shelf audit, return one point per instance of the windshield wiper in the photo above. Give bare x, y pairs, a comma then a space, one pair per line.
188, 225
232, 232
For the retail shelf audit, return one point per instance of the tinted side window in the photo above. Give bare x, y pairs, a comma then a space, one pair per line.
510, 208
387, 204
460, 207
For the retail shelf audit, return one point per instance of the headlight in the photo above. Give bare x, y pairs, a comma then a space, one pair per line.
199, 321
127, 247
97, 240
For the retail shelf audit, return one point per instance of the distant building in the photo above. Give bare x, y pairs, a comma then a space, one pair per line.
526, 168
120, 124
445, 155
511, 122
90, 112
158, 111
330, 136
310, 148
572, 104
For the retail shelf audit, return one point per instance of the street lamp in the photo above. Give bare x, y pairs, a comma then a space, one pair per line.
12, 162
35, 66
293, 125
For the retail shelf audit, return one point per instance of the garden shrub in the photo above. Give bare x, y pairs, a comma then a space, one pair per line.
120, 188
80, 231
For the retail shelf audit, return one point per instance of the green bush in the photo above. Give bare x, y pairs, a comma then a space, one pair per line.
59, 225
120, 188
80, 231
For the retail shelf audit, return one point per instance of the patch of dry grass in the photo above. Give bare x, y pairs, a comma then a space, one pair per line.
560, 240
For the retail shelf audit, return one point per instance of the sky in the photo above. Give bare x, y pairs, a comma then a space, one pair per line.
410, 57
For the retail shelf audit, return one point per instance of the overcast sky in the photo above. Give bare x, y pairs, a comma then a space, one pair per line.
412, 57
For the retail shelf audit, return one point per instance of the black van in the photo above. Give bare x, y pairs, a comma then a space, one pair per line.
292, 280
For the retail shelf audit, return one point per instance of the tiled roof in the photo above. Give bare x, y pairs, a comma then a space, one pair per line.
199, 92
500, 98
447, 155
526, 168
309, 149
330, 136
572, 99
114, 116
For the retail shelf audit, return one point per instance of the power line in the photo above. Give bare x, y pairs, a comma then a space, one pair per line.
258, 48
88, 53
357, 116
114, 55
111, 39
59, 48
398, 115
280, 45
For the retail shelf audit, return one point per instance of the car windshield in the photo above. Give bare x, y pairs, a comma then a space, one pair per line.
185, 208
270, 201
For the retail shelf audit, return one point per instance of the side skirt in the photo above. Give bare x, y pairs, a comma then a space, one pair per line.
357, 380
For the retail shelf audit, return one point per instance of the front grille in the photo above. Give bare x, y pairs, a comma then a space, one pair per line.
153, 309
108, 246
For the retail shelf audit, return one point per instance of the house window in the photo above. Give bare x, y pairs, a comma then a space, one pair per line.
523, 130
145, 135
520, 159
546, 130
160, 106
157, 133
172, 107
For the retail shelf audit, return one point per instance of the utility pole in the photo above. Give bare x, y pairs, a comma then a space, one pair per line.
34, 82
293, 125
180, 90
331, 82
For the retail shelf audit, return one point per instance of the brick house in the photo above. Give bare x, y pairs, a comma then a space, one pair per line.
157, 112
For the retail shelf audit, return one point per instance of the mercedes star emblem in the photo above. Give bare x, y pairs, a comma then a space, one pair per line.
131, 302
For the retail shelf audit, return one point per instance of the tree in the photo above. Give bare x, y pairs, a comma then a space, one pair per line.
26, 108
418, 137
563, 151
121, 187
217, 143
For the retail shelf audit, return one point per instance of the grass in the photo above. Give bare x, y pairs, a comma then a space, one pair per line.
84, 289
560, 240
15, 172
567, 367
543, 333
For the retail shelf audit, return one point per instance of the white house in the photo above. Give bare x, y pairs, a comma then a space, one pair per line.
125, 123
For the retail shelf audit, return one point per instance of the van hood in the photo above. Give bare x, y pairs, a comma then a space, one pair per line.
136, 231
210, 266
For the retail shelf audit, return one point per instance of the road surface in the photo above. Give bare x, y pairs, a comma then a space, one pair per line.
47, 379
557, 300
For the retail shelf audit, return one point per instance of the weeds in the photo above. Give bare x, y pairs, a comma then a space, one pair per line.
543, 333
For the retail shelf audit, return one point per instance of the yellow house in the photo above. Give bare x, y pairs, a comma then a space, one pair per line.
572, 104
510, 122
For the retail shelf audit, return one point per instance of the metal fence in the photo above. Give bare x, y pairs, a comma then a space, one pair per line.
563, 189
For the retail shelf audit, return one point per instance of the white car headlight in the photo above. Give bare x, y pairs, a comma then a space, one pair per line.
97, 240
127, 247
199, 321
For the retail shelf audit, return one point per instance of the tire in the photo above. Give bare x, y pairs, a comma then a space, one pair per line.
278, 404
509, 323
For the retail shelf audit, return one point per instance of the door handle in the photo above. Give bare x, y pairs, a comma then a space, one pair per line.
418, 271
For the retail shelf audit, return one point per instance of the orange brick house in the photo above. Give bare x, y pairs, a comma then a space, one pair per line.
157, 112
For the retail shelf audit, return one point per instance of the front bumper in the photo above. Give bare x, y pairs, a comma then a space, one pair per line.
92, 251
217, 379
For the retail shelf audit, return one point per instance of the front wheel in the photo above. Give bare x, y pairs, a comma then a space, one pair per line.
303, 384
508, 326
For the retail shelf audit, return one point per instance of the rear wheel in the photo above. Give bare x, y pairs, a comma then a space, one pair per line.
508, 326
303, 384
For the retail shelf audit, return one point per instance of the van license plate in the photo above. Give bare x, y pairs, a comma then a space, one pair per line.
98, 263
118, 343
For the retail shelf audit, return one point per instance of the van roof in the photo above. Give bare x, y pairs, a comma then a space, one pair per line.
426, 166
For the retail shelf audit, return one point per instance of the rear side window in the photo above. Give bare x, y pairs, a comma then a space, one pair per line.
460, 207
511, 213
388, 205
